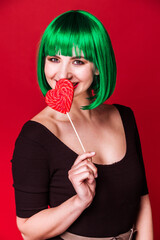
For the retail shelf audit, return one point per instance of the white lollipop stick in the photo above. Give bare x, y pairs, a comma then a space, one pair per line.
76, 133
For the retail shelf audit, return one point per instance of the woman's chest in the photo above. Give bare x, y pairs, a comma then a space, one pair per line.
107, 141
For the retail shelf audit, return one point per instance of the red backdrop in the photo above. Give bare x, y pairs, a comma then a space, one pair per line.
134, 30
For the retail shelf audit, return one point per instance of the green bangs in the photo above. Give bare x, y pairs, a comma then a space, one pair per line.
68, 36
76, 33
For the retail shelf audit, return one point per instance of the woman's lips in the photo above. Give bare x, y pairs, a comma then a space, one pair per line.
75, 85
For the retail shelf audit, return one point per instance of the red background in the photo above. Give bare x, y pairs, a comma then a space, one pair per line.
134, 28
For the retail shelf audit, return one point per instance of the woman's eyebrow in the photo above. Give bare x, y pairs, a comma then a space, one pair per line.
75, 57
53, 56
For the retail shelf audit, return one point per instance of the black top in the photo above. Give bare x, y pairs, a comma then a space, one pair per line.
40, 168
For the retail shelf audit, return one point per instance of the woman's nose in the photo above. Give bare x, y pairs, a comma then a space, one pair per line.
65, 71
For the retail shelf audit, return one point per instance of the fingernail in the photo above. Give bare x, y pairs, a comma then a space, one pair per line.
92, 152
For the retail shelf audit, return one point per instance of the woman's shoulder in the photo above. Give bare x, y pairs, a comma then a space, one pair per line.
30, 131
111, 108
114, 112
36, 127
46, 121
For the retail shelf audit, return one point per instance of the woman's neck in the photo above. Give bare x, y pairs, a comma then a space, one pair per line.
76, 110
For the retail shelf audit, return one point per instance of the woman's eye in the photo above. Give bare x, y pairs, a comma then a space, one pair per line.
53, 59
78, 62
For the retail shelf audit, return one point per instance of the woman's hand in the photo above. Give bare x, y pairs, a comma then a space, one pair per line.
82, 176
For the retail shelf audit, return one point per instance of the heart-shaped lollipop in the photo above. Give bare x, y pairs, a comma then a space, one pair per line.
60, 98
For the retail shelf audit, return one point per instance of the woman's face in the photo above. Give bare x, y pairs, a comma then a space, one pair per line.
78, 70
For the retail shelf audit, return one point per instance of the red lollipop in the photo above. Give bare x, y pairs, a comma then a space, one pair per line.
61, 97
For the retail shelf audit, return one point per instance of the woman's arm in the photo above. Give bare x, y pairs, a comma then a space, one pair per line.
144, 223
50, 222
54, 221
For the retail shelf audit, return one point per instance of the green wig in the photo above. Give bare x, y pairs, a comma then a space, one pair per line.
83, 32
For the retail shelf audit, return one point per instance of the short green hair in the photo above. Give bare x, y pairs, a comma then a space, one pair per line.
83, 32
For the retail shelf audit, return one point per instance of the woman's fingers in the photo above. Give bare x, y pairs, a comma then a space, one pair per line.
84, 166
82, 176
93, 167
83, 159
84, 156
81, 169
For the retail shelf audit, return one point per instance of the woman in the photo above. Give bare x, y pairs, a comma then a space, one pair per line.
100, 194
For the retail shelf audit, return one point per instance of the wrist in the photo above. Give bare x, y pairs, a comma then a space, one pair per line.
81, 204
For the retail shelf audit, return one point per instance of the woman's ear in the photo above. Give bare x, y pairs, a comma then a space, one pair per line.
96, 72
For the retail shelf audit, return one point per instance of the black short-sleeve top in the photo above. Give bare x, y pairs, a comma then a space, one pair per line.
40, 166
